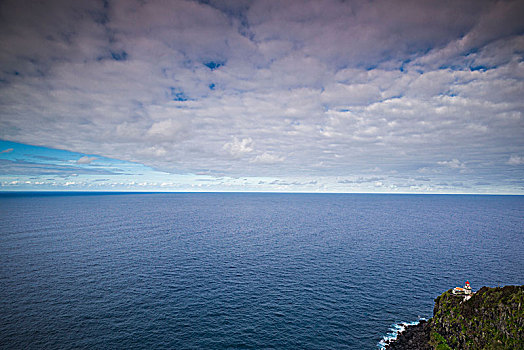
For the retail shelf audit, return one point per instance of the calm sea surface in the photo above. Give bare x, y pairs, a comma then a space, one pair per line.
242, 271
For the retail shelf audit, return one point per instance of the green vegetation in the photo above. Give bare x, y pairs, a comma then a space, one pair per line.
438, 342
492, 319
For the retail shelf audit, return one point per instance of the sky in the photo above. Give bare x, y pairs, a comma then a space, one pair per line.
279, 96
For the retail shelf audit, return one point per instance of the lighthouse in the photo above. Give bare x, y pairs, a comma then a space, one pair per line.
467, 288
463, 291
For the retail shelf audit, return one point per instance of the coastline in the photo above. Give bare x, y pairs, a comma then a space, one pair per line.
414, 336
491, 318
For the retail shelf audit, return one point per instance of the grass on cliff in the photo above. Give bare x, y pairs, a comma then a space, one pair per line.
438, 342
492, 319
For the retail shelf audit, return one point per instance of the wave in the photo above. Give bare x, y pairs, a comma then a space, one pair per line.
395, 330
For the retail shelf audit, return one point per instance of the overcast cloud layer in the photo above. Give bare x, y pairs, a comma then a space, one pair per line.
394, 93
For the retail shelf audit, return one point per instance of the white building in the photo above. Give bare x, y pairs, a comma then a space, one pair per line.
463, 291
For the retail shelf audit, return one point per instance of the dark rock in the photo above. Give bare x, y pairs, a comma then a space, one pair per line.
414, 337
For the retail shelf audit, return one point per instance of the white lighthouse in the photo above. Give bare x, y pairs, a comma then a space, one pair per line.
463, 291
467, 288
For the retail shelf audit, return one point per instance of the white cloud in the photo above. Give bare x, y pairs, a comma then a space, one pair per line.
238, 148
453, 164
165, 130
515, 160
85, 160
153, 151
267, 158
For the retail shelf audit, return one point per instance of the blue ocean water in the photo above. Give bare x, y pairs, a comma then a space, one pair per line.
242, 271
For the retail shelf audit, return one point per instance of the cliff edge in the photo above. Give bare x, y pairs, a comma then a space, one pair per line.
493, 318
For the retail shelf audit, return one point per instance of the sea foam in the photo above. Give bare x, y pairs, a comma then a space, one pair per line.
394, 331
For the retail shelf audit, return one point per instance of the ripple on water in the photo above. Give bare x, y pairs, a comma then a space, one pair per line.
200, 271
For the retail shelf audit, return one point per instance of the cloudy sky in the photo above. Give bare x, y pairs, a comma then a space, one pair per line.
324, 95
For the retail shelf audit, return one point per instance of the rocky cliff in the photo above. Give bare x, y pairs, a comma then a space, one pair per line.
492, 319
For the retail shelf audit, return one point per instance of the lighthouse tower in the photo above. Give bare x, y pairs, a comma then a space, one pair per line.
467, 288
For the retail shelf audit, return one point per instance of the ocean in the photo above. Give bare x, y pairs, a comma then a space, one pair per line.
241, 270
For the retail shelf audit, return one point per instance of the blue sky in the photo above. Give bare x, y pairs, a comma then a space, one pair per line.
294, 96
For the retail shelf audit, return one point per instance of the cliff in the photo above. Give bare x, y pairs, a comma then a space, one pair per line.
492, 319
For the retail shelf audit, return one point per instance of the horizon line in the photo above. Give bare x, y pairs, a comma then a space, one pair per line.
254, 192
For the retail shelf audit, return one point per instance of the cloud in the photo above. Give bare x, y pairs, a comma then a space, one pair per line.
21, 167
153, 151
236, 87
165, 129
85, 160
267, 158
501, 19
237, 147
453, 164
422, 179
362, 180
8, 150
515, 160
